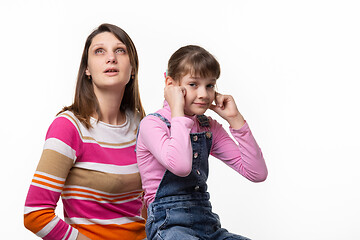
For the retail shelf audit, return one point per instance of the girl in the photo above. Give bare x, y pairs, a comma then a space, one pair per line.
88, 157
174, 166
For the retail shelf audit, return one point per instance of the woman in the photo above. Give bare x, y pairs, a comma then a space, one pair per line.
88, 157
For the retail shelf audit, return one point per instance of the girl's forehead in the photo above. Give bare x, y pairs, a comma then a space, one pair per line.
190, 77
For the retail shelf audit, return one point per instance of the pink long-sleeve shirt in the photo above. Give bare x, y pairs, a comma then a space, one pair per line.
160, 148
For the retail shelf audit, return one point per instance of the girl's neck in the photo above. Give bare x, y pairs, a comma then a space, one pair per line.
109, 103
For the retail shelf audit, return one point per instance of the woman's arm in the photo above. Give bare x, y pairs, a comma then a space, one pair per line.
82, 237
56, 161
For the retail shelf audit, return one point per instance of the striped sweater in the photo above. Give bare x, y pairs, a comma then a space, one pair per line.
95, 173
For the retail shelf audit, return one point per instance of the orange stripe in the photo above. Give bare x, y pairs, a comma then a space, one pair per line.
131, 231
46, 184
49, 178
35, 221
99, 194
96, 198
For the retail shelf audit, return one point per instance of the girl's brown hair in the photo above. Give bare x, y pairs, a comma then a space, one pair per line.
85, 101
194, 60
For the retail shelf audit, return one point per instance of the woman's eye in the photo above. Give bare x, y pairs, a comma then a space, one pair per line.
120, 50
100, 50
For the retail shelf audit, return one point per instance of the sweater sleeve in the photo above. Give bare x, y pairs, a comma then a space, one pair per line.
245, 157
172, 148
58, 156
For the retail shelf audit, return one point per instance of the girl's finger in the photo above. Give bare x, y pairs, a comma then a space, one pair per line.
220, 100
183, 90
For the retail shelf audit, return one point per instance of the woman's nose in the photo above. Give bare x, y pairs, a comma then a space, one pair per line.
111, 58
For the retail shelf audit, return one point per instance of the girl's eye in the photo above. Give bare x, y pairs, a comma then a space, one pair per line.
192, 84
100, 50
120, 50
211, 86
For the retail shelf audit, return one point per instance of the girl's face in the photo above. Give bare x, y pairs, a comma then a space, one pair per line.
108, 62
200, 93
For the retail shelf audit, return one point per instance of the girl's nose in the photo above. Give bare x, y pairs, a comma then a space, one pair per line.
202, 93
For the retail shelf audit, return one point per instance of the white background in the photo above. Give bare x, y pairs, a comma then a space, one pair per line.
292, 66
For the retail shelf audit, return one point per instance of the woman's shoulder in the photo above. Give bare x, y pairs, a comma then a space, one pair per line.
67, 119
64, 126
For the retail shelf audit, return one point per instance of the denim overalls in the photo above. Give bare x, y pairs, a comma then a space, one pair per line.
181, 209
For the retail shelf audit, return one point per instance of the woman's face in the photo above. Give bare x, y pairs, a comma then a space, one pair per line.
108, 62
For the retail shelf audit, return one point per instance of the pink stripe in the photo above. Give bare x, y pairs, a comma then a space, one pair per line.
69, 234
97, 154
39, 197
58, 232
90, 209
64, 130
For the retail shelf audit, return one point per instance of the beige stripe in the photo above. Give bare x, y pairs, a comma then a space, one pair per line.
106, 182
92, 139
54, 163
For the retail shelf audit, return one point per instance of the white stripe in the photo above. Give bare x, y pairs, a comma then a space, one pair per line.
113, 196
67, 232
46, 187
50, 176
99, 196
106, 133
60, 147
102, 201
108, 168
74, 234
33, 209
117, 221
45, 231
101, 192
111, 146
48, 181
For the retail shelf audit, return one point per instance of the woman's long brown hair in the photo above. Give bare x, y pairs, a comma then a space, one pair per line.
85, 101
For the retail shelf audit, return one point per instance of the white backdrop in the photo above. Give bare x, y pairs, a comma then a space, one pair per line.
292, 66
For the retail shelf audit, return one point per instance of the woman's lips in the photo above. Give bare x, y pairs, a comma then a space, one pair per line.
111, 72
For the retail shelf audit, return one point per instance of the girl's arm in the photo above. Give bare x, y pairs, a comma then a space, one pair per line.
50, 176
246, 157
171, 147
226, 108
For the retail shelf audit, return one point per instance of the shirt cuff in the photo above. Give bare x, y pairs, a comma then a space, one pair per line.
244, 128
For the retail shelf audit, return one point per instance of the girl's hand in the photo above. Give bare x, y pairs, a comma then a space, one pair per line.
226, 108
175, 96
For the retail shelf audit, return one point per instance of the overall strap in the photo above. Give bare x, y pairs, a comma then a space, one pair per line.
203, 120
153, 114
167, 122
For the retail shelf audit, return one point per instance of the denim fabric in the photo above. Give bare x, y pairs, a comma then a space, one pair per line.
181, 209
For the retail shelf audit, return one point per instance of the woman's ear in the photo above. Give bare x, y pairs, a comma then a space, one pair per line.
87, 72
